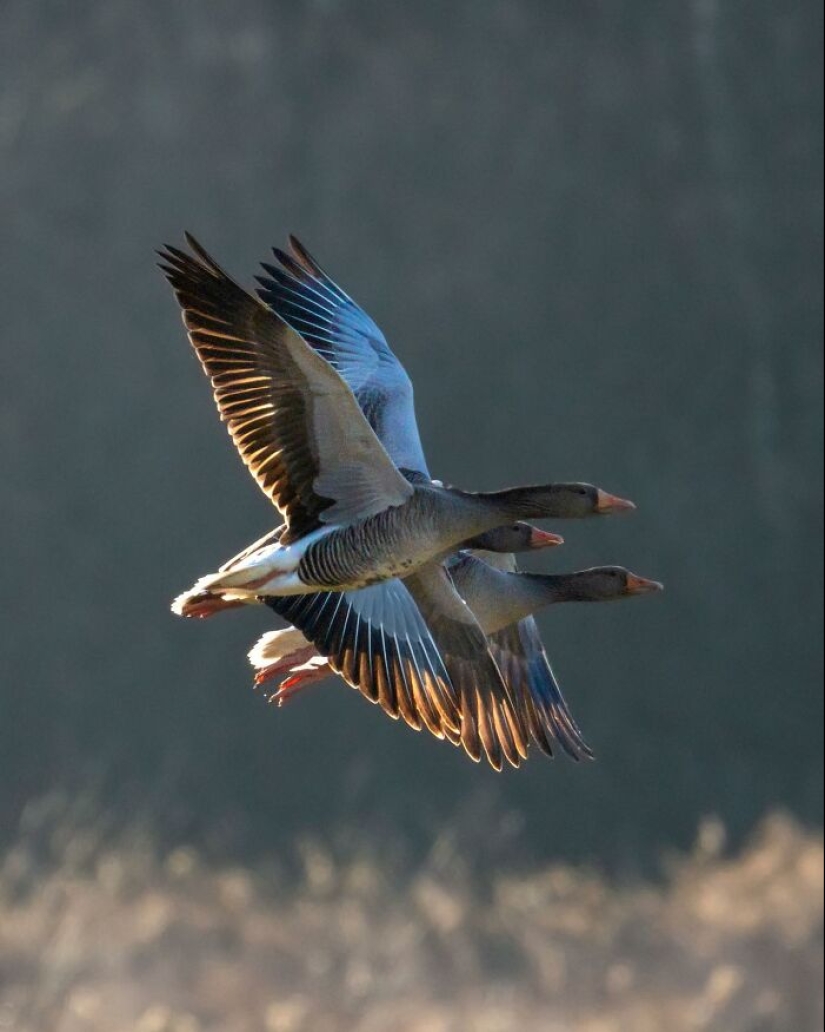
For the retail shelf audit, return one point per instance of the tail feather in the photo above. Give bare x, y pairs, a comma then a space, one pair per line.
201, 601
201, 604
267, 569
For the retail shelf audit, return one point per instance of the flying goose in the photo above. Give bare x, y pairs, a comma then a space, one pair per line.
353, 521
501, 599
202, 602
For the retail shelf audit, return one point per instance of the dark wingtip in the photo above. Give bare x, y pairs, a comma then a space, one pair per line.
165, 252
305, 259
292, 265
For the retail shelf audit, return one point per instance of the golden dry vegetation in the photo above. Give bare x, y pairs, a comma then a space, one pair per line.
124, 939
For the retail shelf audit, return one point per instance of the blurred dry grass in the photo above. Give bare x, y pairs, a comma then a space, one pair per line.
102, 938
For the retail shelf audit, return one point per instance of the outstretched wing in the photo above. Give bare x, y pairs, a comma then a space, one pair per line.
523, 662
493, 588
489, 718
378, 641
414, 648
293, 419
304, 296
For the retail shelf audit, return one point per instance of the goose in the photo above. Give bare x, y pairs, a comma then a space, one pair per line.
354, 521
198, 602
501, 599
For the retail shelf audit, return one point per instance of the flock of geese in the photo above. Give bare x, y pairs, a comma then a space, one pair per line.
406, 588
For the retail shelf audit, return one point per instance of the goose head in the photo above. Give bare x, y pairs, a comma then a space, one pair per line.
605, 583
557, 501
515, 537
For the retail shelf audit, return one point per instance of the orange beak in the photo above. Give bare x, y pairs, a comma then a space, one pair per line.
641, 585
608, 503
541, 539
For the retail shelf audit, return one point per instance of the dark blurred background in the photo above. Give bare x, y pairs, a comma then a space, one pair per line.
593, 233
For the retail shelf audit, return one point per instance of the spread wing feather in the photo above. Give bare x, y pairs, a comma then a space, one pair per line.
291, 416
414, 648
304, 296
523, 662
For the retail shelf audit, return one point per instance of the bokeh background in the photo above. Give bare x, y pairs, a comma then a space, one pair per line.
592, 232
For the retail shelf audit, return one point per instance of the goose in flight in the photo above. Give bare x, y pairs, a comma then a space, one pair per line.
356, 526
502, 600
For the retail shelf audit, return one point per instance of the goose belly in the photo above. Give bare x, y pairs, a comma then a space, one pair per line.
362, 554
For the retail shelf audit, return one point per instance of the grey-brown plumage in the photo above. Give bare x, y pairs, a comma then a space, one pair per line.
352, 520
303, 294
498, 603
293, 420
454, 688
300, 430
504, 601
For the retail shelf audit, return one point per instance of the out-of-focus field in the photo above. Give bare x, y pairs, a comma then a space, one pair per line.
102, 938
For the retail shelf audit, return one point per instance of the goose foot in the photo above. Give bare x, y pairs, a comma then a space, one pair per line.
285, 664
298, 681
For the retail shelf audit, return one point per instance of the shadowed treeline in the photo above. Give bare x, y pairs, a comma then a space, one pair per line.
592, 232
